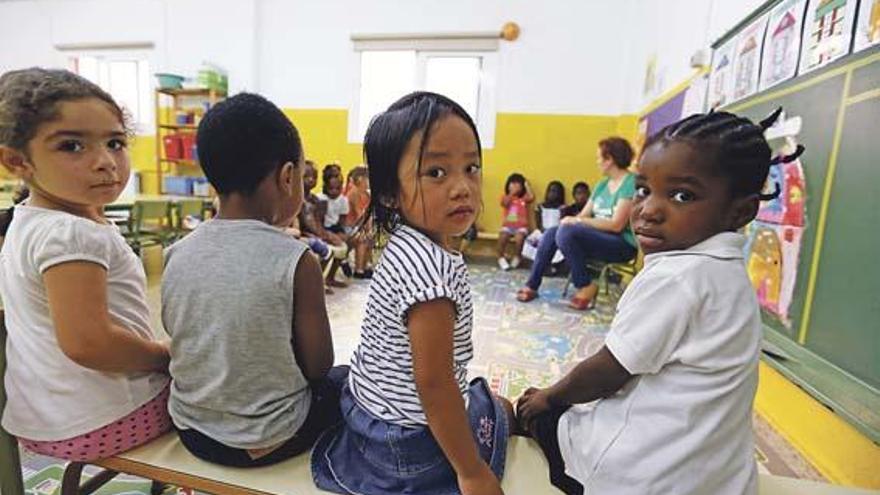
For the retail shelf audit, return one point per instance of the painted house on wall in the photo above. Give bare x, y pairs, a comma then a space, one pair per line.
782, 41
720, 75
827, 30
746, 63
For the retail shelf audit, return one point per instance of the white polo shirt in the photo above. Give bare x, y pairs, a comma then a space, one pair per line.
689, 328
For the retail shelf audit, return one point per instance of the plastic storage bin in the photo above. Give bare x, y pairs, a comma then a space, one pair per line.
173, 146
182, 186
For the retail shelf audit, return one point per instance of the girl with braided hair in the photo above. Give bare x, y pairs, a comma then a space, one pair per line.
665, 405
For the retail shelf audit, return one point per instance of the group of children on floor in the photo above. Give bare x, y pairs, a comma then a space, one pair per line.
334, 223
247, 378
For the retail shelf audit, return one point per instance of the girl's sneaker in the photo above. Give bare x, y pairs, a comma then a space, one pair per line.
503, 264
514, 263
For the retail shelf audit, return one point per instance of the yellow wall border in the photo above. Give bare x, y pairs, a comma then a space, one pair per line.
846, 68
836, 449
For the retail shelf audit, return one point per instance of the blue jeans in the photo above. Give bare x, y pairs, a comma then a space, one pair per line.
579, 243
366, 455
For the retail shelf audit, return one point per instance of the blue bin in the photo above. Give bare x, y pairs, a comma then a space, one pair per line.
182, 186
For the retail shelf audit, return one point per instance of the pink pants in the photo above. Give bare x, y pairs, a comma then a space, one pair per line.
137, 428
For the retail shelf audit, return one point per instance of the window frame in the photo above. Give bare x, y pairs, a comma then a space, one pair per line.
143, 118
425, 48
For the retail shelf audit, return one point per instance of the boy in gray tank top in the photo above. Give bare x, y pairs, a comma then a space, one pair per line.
251, 351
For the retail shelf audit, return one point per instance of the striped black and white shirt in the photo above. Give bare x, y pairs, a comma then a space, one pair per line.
413, 269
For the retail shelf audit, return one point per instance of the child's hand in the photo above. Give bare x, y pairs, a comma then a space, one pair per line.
569, 221
483, 482
532, 403
163, 355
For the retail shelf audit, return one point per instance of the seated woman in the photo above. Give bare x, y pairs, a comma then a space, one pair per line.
599, 232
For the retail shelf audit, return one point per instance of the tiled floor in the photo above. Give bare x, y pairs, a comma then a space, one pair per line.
517, 345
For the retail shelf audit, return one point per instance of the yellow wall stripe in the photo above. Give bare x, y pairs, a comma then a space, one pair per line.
836, 449
823, 212
867, 95
543, 147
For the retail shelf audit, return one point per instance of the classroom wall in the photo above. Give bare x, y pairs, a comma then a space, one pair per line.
551, 109
574, 76
670, 32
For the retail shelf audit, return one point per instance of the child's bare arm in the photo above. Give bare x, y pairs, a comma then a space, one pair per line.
312, 342
529, 196
77, 293
431, 327
598, 376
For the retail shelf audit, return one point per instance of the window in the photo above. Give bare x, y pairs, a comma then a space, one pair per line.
126, 76
466, 76
385, 76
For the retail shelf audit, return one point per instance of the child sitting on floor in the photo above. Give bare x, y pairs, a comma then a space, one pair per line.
676, 378
547, 215
581, 194
311, 221
251, 349
356, 224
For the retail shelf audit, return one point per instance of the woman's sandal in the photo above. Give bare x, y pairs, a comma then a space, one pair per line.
526, 294
584, 303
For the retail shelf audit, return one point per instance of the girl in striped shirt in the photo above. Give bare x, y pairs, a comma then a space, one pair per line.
413, 422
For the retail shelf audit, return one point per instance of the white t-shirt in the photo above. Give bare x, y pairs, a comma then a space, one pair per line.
50, 397
336, 209
689, 328
413, 269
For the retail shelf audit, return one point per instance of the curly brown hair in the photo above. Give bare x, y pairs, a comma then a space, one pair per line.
30, 97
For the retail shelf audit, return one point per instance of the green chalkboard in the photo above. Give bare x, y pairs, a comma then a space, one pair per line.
833, 333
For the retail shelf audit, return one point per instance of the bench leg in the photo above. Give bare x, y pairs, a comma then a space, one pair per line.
157, 487
70, 482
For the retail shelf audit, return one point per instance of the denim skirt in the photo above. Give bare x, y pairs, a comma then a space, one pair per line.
365, 455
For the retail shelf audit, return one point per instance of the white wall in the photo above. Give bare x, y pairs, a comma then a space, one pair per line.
184, 33
299, 53
672, 31
573, 56
560, 64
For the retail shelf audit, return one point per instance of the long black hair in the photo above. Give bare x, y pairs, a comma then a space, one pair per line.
386, 140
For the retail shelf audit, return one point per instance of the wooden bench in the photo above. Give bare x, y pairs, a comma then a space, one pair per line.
165, 460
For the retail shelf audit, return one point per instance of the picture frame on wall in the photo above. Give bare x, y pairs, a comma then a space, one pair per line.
782, 42
721, 77
828, 29
747, 58
867, 25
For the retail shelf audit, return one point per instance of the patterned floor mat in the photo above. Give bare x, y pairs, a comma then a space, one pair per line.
516, 346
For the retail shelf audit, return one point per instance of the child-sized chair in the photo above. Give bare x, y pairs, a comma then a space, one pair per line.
630, 268
187, 210
150, 223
